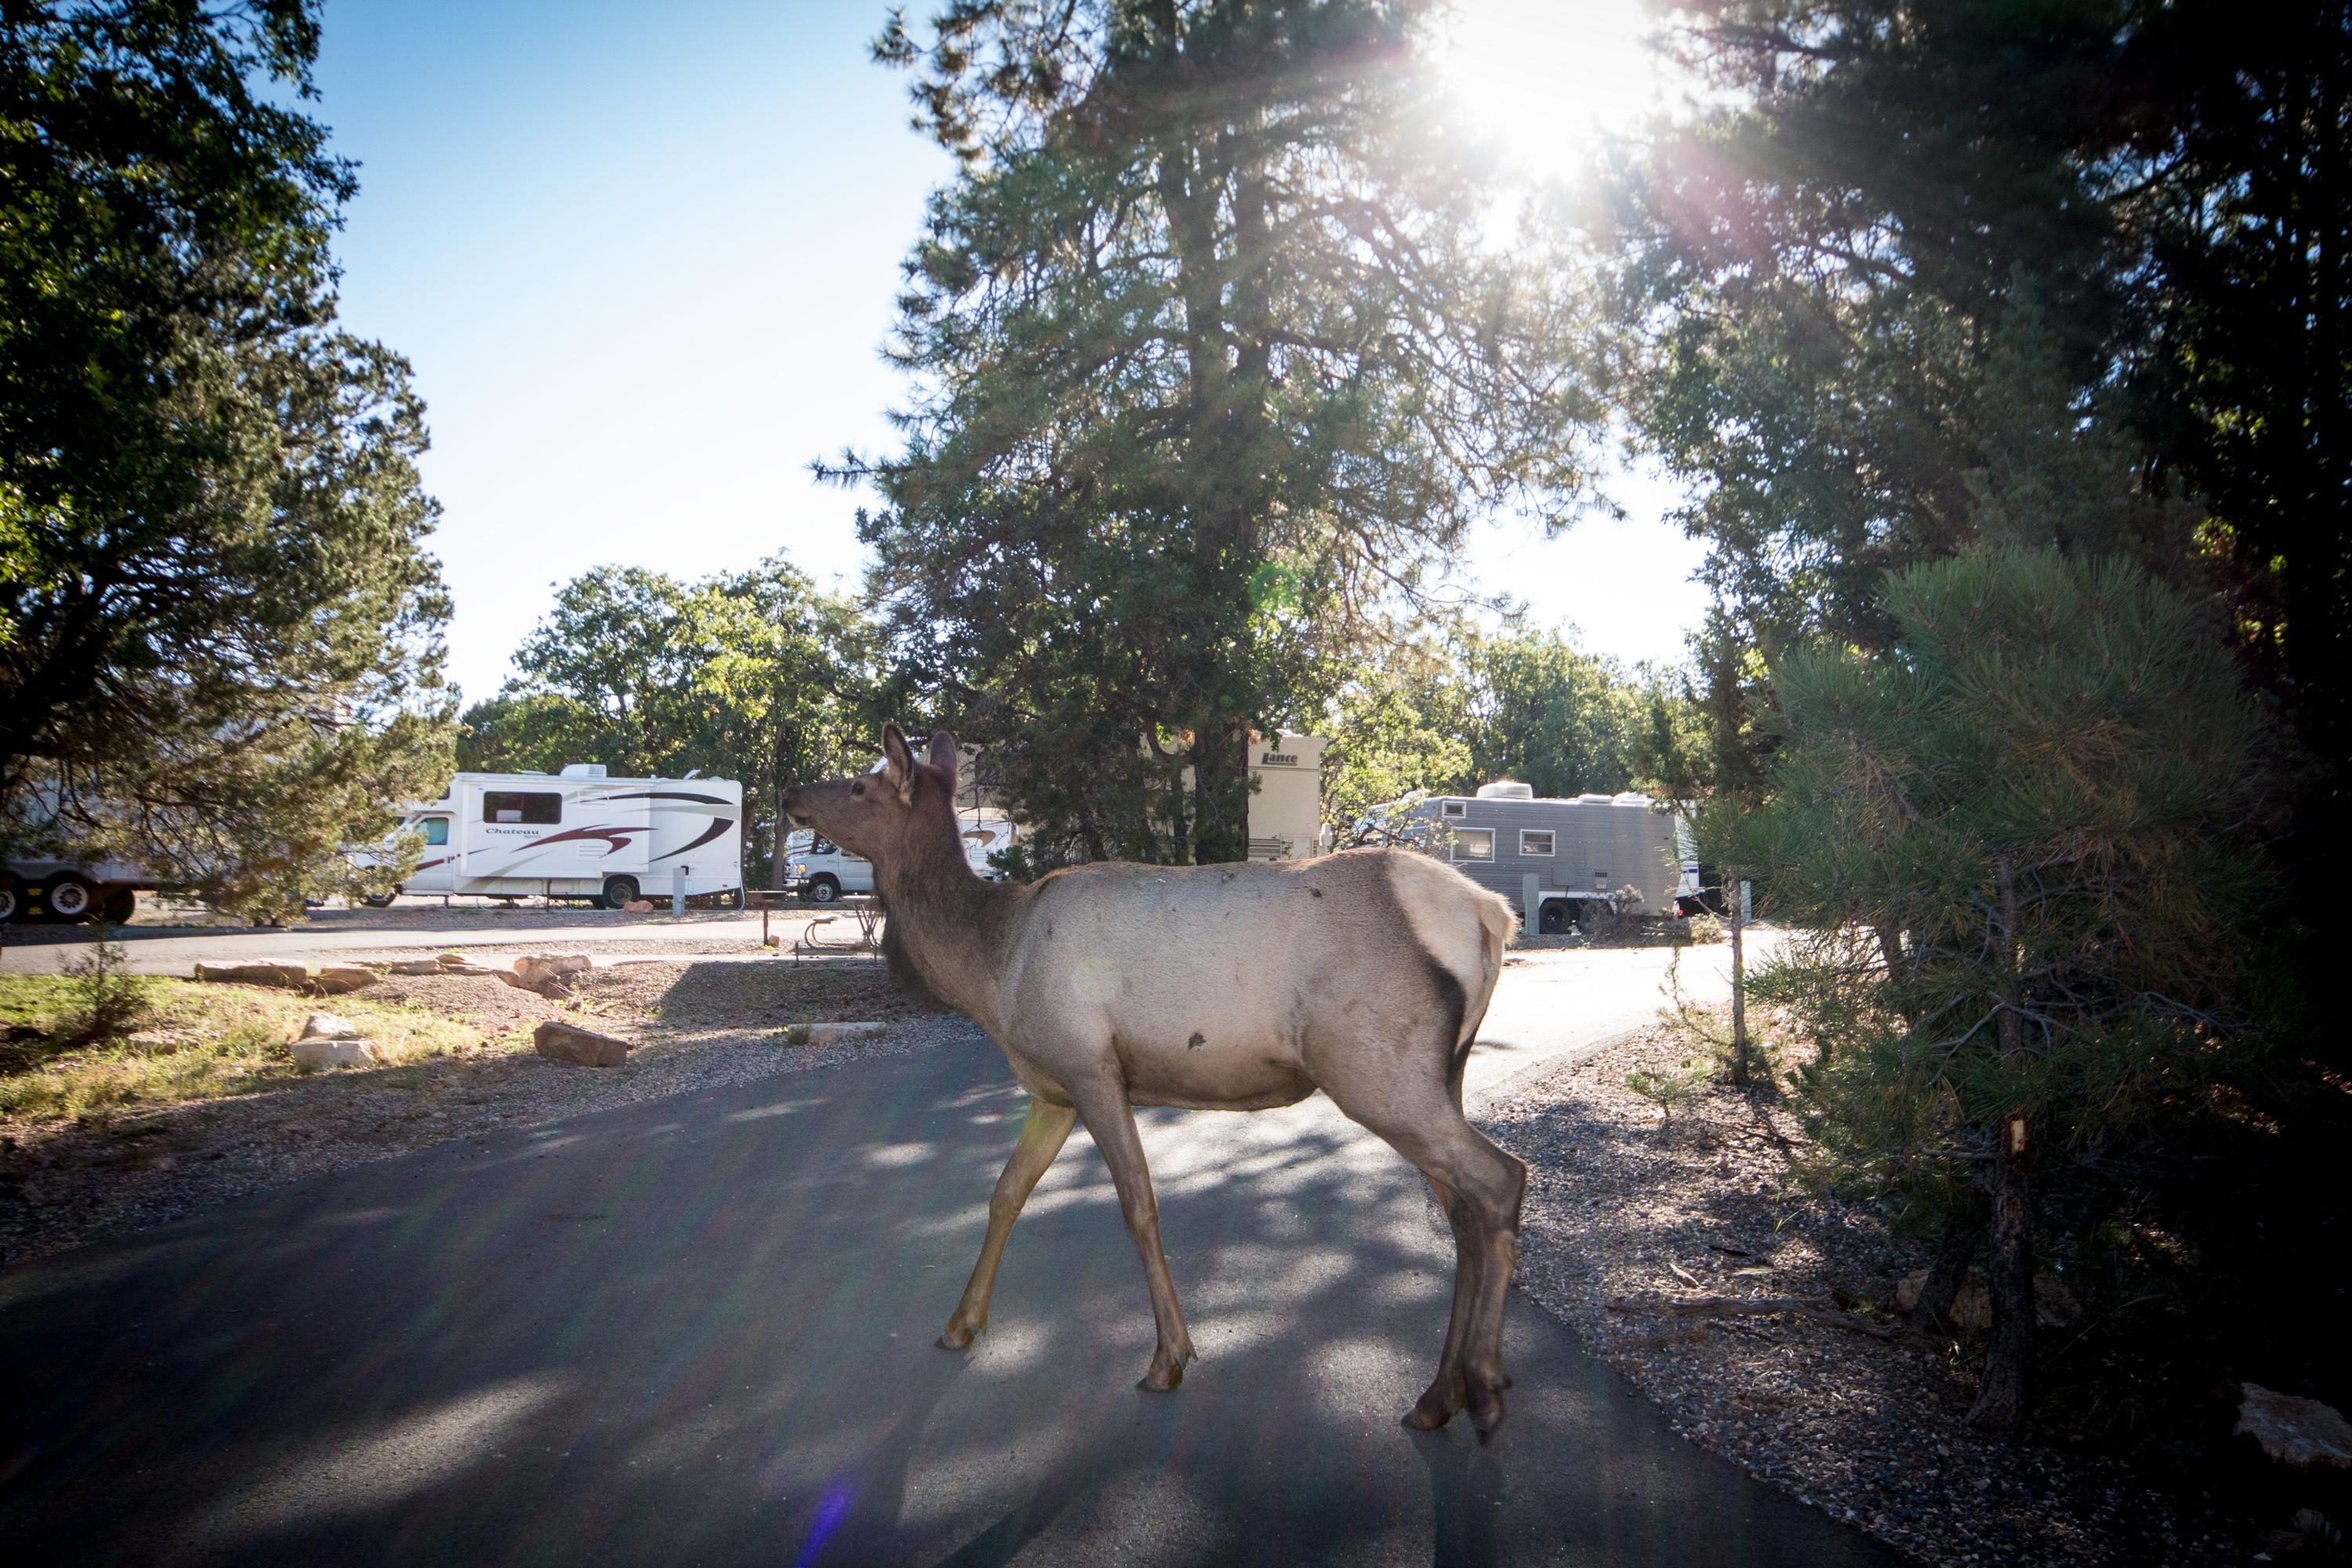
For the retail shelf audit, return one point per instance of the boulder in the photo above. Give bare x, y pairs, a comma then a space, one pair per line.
338, 1051
581, 1047
336, 979
415, 966
638, 907
2299, 1434
551, 974
330, 1040
286, 976
833, 1034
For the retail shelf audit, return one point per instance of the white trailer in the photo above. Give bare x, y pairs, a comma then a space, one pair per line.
580, 835
1559, 860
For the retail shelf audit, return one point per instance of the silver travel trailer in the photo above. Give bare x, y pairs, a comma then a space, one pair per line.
1553, 858
580, 835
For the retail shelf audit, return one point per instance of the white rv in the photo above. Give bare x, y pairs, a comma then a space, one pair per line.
1561, 859
579, 835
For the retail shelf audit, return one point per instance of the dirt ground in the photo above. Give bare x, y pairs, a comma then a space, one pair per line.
693, 1025
1628, 1219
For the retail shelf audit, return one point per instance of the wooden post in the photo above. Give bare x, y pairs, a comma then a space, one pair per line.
1736, 906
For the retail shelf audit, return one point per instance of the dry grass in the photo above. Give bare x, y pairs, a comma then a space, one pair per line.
189, 1042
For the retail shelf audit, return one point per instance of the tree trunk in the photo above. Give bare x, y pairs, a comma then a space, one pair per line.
2003, 1391
1220, 794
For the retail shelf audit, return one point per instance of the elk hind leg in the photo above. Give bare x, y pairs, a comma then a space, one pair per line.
1042, 1136
1110, 1118
1448, 1391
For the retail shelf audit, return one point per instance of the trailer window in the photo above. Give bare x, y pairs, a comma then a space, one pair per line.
1453, 808
1536, 841
541, 809
1473, 843
436, 829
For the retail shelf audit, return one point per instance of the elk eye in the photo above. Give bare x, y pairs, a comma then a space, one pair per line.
857, 789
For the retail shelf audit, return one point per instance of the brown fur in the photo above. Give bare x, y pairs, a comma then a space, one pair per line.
1222, 987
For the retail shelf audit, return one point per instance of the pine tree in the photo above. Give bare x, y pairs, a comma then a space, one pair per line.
1212, 360
2021, 851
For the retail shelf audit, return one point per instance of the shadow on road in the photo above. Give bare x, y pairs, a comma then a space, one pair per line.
701, 1331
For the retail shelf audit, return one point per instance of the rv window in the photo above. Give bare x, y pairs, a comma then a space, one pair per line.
1453, 808
1473, 843
513, 805
436, 829
1534, 841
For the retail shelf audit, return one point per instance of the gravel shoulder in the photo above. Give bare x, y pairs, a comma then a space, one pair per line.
1870, 1429
696, 1026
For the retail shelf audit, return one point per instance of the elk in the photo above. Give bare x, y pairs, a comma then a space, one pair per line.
1220, 987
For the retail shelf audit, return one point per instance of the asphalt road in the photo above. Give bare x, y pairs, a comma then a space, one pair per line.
700, 1330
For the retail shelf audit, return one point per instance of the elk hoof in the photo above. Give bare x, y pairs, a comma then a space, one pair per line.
958, 1337
1436, 1406
1486, 1414
1159, 1381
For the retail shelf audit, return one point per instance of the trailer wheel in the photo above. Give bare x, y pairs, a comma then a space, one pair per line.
619, 890
380, 900
823, 889
11, 902
1553, 920
120, 904
70, 898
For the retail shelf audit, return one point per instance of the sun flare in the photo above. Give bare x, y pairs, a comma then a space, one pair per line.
1550, 80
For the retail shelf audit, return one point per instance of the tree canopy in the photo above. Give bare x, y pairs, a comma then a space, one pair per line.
221, 641
1209, 359
757, 676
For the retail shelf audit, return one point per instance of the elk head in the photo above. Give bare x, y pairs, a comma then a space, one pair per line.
871, 813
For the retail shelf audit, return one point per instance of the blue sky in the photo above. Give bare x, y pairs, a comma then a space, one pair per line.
642, 259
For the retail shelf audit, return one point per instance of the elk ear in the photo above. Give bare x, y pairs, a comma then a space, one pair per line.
944, 755
899, 760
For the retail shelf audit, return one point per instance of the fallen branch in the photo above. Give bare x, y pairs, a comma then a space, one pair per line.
1751, 1307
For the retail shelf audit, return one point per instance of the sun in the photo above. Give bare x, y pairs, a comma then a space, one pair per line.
1551, 80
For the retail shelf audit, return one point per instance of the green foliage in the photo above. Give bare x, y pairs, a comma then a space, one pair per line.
222, 650
757, 676
1447, 713
108, 1000
1670, 1090
1212, 360
2021, 854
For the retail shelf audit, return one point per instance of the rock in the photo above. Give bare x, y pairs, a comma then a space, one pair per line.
582, 1047
328, 1027
551, 974
2300, 1434
338, 1051
1971, 1309
335, 979
638, 907
161, 1042
2055, 1306
833, 1034
286, 976
416, 966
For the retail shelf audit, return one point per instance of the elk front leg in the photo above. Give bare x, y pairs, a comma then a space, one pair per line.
1111, 1119
1042, 1136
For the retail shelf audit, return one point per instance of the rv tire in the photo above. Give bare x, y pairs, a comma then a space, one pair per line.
70, 898
380, 900
120, 904
12, 901
619, 890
